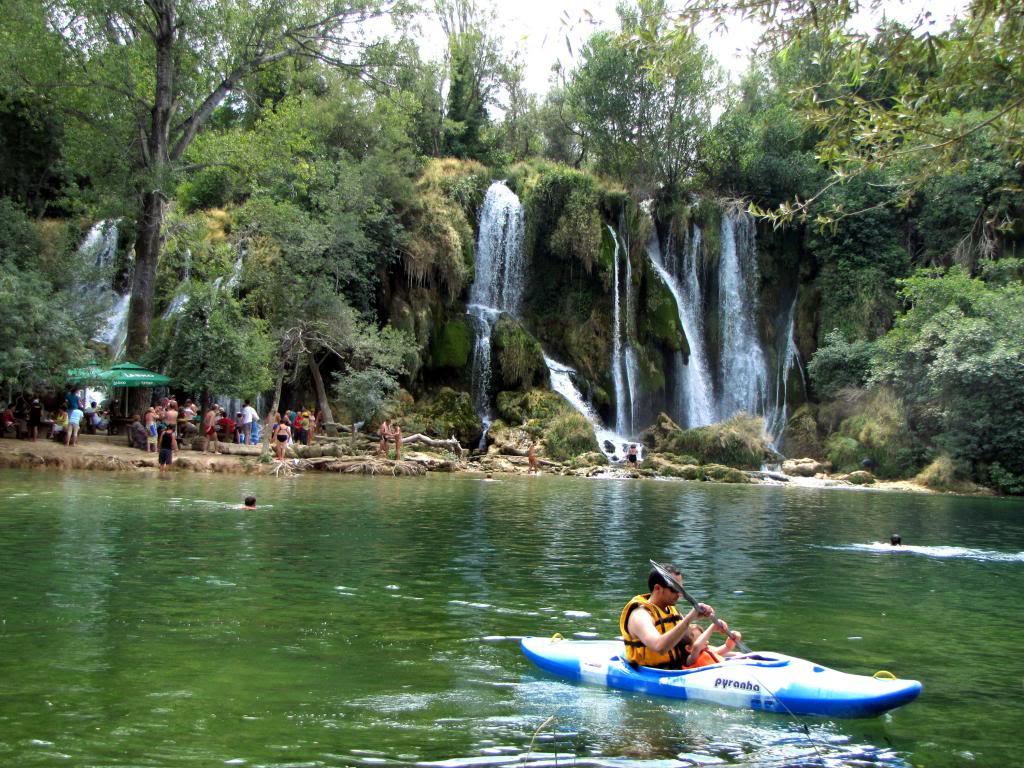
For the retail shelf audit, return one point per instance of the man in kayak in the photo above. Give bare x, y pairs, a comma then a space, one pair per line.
651, 627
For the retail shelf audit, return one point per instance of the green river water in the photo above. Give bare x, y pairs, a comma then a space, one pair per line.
147, 621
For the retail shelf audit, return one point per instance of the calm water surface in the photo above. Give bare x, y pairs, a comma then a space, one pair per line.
146, 621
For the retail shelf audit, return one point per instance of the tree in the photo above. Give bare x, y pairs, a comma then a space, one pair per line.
152, 72
644, 123
473, 58
905, 101
370, 374
214, 348
38, 333
955, 356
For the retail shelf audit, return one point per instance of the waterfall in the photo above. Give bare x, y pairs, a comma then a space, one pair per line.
632, 368
612, 445
497, 286
775, 419
694, 396
98, 253
625, 371
743, 369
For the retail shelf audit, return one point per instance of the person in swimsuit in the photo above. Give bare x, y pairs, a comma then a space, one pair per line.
210, 429
282, 433
168, 447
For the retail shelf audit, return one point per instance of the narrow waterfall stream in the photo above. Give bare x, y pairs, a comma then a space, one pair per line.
497, 286
99, 250
618, 363
612, 445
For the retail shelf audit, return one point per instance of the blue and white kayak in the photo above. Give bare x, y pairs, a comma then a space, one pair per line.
769, 682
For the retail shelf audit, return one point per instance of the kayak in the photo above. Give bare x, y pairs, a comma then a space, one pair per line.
768, 682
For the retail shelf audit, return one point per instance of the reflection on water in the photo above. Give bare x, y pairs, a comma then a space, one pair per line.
354, 621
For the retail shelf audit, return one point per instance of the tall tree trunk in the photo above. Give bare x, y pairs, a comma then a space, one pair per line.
321, 392
278, 384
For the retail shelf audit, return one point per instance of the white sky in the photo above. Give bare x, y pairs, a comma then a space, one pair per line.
539, 28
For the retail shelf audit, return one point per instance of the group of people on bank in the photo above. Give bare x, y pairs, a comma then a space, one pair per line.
657, 635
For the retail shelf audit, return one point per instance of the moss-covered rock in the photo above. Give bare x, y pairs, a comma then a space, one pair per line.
452, 345
569, 435
520, 359
668, 468
661, 319
443, 413
719, 473
800, 437
535, 405
860, 477
739, 442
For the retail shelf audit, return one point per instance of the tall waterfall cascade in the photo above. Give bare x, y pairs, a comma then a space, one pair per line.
625, 369
749, 376
98, 252
497, 285
743, 365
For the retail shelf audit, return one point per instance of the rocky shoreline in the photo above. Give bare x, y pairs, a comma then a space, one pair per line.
102, 453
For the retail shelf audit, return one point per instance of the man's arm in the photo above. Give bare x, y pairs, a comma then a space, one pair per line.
641, 626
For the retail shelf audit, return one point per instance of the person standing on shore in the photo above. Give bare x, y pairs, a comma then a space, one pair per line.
531, 456
385, 434
281, 434
396, 433
35, 419
74, 422
249, 417
168, 447
210, 428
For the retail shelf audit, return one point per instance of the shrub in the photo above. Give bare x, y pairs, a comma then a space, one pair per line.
534, 405
739, 442
569, 435
838, 364
943, 474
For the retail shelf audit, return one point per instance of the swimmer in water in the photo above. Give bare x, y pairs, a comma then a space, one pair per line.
249, 503
895, 540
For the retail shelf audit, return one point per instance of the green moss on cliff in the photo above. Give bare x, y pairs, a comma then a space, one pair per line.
443, 413
535, 405
452, 346
661, 316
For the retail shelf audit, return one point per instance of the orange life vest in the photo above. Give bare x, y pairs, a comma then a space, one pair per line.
664, 620
705, 658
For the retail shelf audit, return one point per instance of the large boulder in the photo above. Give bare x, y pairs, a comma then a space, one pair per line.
805, 467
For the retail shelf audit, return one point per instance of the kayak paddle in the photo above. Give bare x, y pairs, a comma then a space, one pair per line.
677, 585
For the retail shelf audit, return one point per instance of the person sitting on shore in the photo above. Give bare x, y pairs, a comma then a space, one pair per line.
653, 629
60, 423
137, 433
90, 412
695, 643
8, 421
226, 427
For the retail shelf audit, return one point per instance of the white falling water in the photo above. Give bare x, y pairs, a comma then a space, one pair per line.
775, 419
695, 398
612, 445
99, 251
497, 286
617, 361
632, 368
743, 369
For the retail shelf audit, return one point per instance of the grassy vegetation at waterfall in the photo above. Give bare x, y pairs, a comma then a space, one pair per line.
349, 187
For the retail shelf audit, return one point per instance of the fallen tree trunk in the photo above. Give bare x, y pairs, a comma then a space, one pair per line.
450, 444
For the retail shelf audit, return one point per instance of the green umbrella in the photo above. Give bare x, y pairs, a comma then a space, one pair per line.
133, 375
